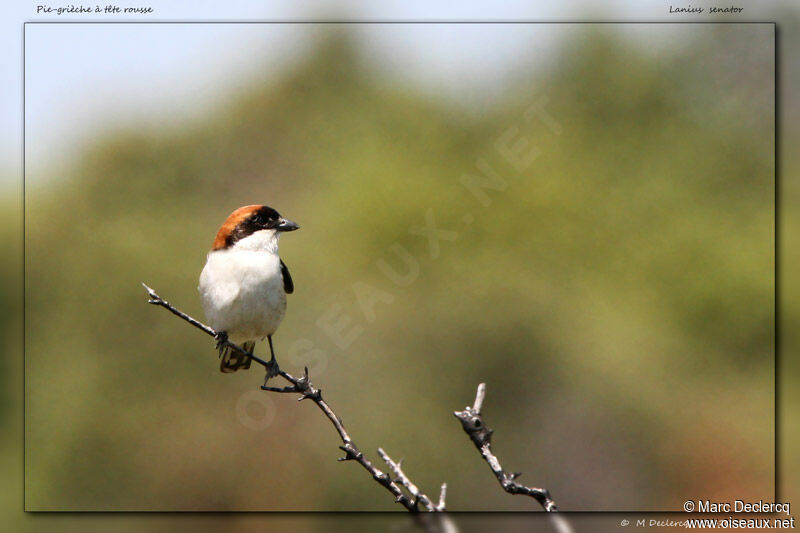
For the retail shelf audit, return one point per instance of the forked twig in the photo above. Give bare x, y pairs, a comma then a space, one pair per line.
402, 478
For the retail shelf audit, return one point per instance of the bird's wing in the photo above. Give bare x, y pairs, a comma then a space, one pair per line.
288, 284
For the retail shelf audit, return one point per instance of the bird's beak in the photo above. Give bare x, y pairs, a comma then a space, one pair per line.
286, 225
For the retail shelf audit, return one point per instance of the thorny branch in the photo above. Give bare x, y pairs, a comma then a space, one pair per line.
481, 436
470, 419
418, 496
303, 386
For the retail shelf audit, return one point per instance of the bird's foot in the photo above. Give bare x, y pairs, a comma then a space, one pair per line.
221, 337
272, 370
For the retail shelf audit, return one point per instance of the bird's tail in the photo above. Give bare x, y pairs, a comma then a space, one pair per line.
233, 360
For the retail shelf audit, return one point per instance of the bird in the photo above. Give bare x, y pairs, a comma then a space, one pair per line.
244, 283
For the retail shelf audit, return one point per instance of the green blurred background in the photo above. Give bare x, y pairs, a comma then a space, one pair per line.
616, 296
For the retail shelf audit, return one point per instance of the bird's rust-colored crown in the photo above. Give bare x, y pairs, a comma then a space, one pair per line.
234, 219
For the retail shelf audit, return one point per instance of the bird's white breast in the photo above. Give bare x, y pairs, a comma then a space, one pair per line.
242, 292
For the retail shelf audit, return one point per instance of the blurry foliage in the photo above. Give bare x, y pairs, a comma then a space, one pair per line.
617, 297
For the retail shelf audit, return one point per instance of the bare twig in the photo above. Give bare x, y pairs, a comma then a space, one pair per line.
303, 386
481, 436
402, 478
442, 495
